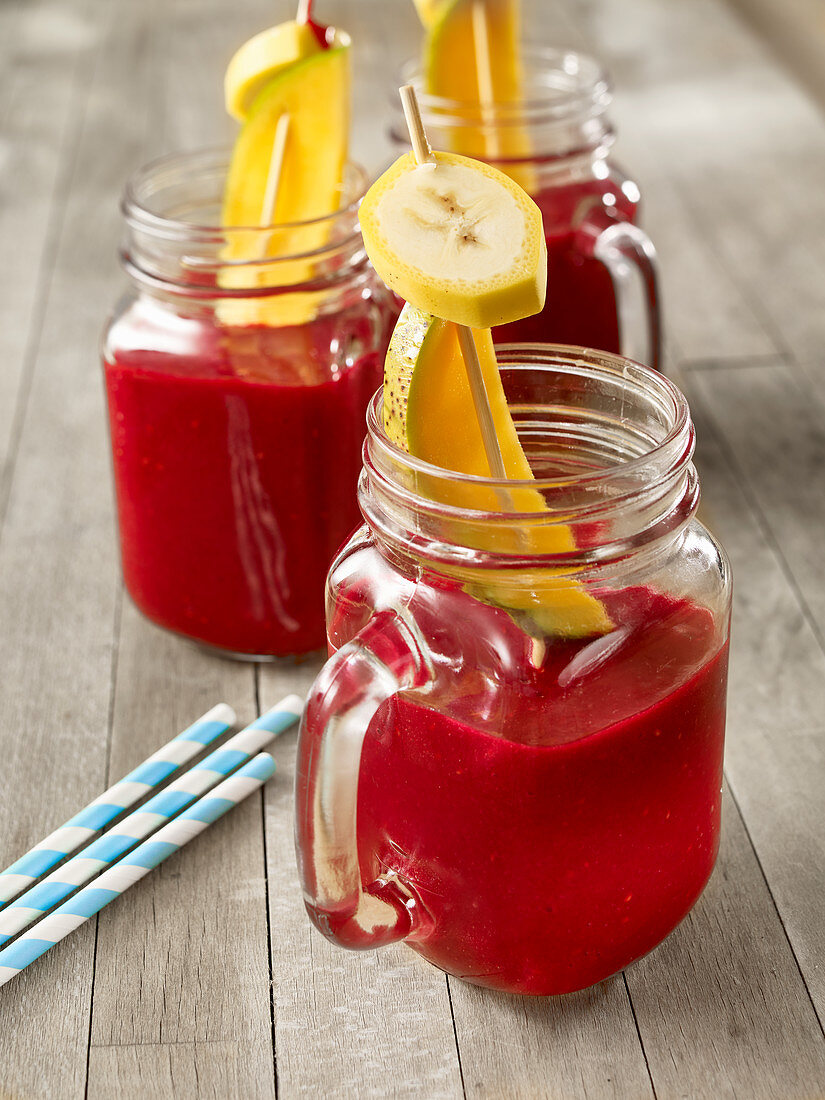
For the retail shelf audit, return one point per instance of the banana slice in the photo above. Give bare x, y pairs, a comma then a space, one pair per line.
458, 239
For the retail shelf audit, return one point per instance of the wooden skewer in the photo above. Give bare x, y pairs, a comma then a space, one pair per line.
492, 448
418, 135
481, 402
484, 74
276, 160
276, 164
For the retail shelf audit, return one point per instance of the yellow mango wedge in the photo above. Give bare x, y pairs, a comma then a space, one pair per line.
472, 55
315, 93
457, 238
429, 413
261, 58
428, 10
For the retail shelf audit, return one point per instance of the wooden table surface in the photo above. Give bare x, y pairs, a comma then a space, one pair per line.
207, 979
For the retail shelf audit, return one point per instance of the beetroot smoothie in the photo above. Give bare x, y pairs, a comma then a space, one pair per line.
557, 821
581, 304
236, 457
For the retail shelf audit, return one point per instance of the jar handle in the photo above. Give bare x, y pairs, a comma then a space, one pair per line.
630, 258
386, 657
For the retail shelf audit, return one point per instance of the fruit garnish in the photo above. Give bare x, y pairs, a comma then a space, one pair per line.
287, 167
443, 397
429, 413
457, 238
428, 409
428, 9
472, 56
471, 53
262, 57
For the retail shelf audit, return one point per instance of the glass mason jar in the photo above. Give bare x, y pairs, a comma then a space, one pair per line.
237, 391
602, 287
530, 807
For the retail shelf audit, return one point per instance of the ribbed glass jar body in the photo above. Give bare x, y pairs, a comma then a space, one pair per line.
237, 390
538, 792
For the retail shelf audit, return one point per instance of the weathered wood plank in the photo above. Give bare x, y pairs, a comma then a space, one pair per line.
721, 1008
190, 58
347, 1024
47, 50
646, 46
58, 610
706, 315
211, 1071
531, 1048
776, 742
796, 32
184, 959
741, 142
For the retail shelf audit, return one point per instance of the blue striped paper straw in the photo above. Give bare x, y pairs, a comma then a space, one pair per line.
131, 789
168, 803
129, 870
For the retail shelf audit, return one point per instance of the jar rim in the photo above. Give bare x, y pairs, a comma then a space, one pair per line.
141, 217
559, 83
674, 450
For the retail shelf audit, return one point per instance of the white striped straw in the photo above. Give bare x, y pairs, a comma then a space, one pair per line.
131, 789
129, 870
120, 838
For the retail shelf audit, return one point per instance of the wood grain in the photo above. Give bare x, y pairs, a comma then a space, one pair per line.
776, 747
726, 985
58, 580
173, 994
214, 1071
529, 1048
347, 1024
46, 53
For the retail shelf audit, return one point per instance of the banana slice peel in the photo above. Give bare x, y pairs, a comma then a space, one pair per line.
457, 238
429, 413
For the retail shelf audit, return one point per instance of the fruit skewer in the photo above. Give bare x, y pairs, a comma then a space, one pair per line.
423, 155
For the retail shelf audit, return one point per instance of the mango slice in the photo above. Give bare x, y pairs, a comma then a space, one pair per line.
459, 33
315, 93
261, 58
428, 10
429, 413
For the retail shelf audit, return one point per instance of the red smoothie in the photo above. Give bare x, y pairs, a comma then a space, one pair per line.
558, 821
581, 305
236, 458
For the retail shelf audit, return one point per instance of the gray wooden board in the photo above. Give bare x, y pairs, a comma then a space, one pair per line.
43, 84
194, 934
58, 587
724, 983
172, 995
742, 143
347, 1024
531, 1048
776, 746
